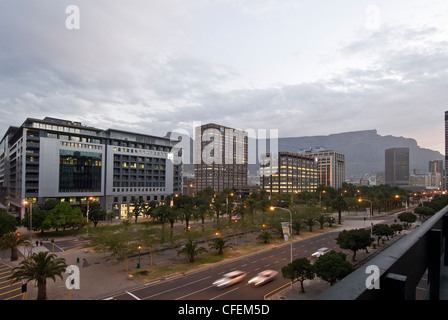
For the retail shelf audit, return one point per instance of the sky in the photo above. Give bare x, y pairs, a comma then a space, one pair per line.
303, 67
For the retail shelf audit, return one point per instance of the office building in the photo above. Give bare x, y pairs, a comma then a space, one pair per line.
292, 173
435, 173
397, 167
65, 160
331, 167
220, 158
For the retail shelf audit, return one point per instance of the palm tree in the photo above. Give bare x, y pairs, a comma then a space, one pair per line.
39, 267
219, 244
13, 242
265, 236
190, 249
339, 204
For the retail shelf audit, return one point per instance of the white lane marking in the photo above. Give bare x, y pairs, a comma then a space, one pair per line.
133, 295
187, 284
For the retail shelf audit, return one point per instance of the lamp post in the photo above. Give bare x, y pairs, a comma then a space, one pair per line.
320, 196
31, 224
405, 200
139, 249
87, 212
370, 215
290, 222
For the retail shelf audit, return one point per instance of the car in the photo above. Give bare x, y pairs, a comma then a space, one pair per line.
237, 216
263, 277
229, 279
320, 252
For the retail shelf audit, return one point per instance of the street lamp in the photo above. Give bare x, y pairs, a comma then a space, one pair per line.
139, 249
405, 200
31, 224
272, 208
87, 213
320, 197
370, 215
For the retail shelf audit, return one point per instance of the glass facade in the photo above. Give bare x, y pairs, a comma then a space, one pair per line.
79, 171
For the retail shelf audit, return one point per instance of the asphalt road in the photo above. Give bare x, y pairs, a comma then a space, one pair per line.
198, 286
8, 290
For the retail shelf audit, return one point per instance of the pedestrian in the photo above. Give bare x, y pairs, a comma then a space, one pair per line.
37, 243
41, 242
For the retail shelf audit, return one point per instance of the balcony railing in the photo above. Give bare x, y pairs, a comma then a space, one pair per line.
401, 266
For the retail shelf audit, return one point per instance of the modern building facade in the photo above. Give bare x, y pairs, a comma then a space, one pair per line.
220, 158
397, 167
331, 167
292, 173
60, 159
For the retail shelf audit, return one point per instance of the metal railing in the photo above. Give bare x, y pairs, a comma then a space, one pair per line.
400, 267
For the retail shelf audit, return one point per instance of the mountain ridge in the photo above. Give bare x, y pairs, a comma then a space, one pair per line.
364, 150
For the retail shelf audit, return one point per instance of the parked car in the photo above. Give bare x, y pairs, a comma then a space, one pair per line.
320, 252
263, 277
229, 279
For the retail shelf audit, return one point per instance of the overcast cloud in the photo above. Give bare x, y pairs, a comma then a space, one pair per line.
303, 67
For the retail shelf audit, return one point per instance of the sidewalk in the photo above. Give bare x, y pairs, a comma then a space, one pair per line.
100, 278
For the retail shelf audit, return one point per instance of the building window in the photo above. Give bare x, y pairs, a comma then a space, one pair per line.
79, 171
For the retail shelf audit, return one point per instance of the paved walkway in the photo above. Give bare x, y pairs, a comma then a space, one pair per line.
100, 278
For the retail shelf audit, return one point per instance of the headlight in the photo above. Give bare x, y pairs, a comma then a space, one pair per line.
253, 280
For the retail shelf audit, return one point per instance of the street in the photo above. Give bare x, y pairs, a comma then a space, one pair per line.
8, 290
198, 285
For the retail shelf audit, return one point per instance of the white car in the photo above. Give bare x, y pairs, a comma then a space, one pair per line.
320, 252
229, 279
263, 277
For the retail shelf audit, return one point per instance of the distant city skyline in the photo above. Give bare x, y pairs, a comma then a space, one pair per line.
301, 67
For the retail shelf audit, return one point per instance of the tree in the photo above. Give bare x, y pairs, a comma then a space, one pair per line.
321, 219
39, 267
261, 202
407, 218
382, 230
340, 205
396, 227
297, 224
203, 210
355, 239
146, 236
186, 208
120, 246
309, 221
162, 214
58, 217
7, 223
218, 205
191, 250
300, 269
38, 220
139, 208
265, 236
75, 220
12, 241
219, 244
424, 211
96, 214
332, 267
